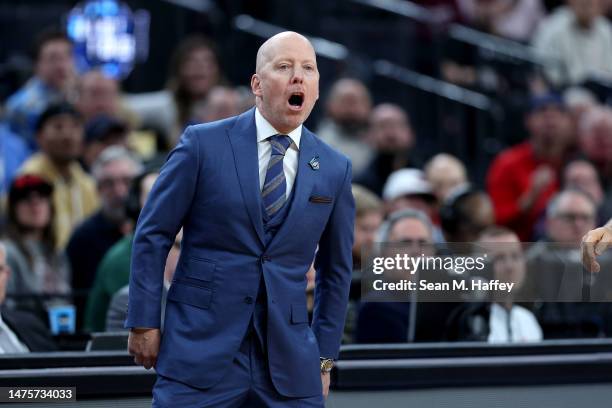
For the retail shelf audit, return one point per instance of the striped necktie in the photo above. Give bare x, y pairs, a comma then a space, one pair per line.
275, 186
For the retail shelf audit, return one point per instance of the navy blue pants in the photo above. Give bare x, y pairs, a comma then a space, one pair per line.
246, 384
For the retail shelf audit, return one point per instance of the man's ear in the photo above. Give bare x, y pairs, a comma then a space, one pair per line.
256, 85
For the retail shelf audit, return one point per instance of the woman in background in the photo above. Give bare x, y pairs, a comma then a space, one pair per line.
37, 267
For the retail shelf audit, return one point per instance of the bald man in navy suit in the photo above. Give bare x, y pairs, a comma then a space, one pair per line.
259, 198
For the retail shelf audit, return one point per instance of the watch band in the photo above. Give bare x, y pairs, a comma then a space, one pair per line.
326, 364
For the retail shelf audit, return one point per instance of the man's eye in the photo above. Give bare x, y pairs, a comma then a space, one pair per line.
309, 68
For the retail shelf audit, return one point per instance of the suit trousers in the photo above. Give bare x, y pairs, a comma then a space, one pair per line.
246, 384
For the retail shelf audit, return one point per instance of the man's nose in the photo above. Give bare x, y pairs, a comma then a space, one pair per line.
298, 76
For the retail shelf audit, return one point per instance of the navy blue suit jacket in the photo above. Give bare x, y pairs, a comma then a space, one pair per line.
210, 186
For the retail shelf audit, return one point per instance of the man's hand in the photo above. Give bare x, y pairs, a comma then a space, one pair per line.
541, 179
143, 344
593, 245
325, 381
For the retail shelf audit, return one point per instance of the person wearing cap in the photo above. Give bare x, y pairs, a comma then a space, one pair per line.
101, 132
408, 188
37, 267
59, 134
523, 178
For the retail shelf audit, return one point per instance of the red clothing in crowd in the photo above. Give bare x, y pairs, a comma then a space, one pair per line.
509, 177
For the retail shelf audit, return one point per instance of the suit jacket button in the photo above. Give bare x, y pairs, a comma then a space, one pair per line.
248, 300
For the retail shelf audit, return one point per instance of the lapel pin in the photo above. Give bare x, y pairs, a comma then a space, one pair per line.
314, 163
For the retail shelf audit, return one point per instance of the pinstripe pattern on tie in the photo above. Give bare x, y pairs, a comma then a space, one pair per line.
275, 186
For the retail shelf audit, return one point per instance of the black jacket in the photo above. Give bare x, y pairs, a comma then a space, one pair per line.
29, 329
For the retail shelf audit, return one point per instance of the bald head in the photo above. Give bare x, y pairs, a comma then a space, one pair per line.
268, 48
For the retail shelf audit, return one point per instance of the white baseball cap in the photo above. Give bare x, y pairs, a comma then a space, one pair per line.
407, 182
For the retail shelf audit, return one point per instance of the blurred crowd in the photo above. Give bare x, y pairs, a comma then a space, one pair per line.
78, 156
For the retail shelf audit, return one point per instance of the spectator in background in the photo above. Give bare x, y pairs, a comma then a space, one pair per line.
194, 71
523, 178
500, 320
53, 81
98, 94
465, 214
581, 38
113, 171
513, 19
38, 267
569, 216
392, 322
221, 102
117, 308
579, 100
581, 175
59, 134
393, 138
114, 269
444, 172
369, 212
344, 127
101, 132
595, 141
20, 332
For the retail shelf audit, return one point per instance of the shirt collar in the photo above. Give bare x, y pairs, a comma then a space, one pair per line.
265, 130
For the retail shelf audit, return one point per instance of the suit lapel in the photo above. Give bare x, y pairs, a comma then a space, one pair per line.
304, 182
243, 139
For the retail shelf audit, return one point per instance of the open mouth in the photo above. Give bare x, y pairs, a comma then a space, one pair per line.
296, 100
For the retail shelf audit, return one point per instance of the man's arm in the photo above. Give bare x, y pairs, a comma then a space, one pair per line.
593, 245
159, 222
334, 266
334, 269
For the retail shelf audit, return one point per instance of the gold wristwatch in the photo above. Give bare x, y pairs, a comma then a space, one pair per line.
326, 364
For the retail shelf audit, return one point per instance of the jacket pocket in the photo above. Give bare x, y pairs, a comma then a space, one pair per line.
184, 292
299, 313
199, 269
